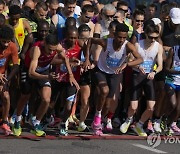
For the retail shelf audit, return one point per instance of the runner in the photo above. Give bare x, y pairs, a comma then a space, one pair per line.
143, 76
109, 69
8, 51
38, 61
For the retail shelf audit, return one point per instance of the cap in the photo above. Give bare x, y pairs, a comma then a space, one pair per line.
175, 15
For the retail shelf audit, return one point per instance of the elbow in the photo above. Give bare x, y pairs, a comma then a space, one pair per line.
31, 74
140, 60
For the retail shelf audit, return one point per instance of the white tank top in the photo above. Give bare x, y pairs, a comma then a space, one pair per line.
110, 59
78, 23
175, 79
149, 57
104, 30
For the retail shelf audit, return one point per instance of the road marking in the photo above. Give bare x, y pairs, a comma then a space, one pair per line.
149, 148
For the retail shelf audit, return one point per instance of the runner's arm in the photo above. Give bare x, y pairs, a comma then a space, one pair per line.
159, 59
34, 55
169, 62
132, 49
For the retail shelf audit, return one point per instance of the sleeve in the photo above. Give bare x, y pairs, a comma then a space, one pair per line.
14, 54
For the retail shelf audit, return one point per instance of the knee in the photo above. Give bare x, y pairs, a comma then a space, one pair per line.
150, 109
46, 100
133, 106
105, 91
6, 96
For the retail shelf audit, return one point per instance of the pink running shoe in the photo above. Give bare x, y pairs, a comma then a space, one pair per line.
175, 129
97, 129
5, 129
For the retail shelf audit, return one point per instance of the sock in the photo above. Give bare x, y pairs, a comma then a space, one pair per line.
140, 123
110, 115
82, 124
129, 119
36, 122
18, 118
98, 113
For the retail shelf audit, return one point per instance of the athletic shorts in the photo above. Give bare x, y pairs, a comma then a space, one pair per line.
139, 83
112, 80
174, 86
28, 83
85, 78
69, 91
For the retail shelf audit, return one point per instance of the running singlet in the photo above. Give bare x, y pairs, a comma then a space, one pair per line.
104, 31
43, 61
10, 53
19, 33
61, 24
62, 70
110, 60
175, 79
149, 56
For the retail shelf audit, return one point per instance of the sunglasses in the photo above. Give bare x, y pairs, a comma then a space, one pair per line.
109, 16
151, 37
125, 11
139, 20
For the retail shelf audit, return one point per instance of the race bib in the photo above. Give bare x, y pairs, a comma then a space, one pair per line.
112, 62
2, 62
147, 65
63, 68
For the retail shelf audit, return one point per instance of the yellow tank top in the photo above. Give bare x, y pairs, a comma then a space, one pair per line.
19, 33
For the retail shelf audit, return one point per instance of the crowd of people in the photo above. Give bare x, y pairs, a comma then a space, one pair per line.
118, 65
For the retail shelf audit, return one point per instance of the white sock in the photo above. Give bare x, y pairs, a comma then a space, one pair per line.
129, 119
98, 113
36, 122
82, 124
18, 118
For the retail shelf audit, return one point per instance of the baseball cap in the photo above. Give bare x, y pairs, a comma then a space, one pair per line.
156, 21
175, 15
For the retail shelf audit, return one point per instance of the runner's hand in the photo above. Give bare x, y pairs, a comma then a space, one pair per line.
53, 76
3, 79
121, 68
86, 65
73, 81
151, 75
141, 69
74, 62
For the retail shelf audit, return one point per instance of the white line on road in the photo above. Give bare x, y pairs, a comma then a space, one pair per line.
149, 148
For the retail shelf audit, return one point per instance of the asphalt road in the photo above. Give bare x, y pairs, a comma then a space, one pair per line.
94, 146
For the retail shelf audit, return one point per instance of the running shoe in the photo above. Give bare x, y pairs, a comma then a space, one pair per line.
97, 128
163, 124
108, 126
37, 130
75, 119
55, 122
124, 127
175, 129
62, 130
150, 128
5, 129
156, 125
17, 130
116, 122
47, 122
139, 130
83, 128
168, 131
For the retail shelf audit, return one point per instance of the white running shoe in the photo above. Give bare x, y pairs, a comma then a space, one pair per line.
156, 126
